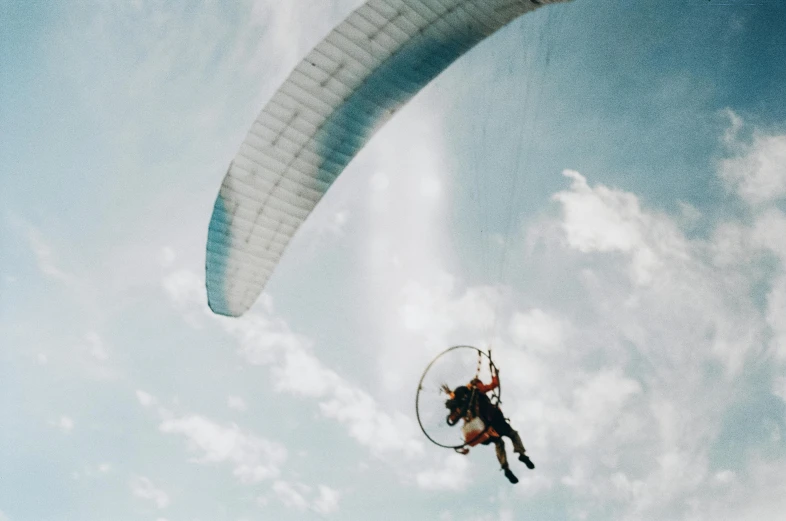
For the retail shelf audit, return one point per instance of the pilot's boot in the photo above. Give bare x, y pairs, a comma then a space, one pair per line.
519, 447
528, 462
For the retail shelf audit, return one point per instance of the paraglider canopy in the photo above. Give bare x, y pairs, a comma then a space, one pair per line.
342, 92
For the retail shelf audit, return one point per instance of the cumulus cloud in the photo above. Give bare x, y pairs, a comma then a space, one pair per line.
776, 316
630, 410
538, 330
95, 346
327, 500
236, 403
300, 372
723, 477
779, 388
534, 483
752, 497
145, 399
167, 257
453, 474
756, 171
291, 494
64, 423
324, 500
184, 288
598, 402
439, 307
143, 488
46, 258
601, 219
680, 282
381, 432
769, 234
675, 321
254, 459
267, 340
93, 471
626, 416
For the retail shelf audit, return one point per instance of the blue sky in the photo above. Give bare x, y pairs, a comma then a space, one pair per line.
597, 190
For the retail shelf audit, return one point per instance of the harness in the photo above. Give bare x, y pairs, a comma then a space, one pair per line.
467, 401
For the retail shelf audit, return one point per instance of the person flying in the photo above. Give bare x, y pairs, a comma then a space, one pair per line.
470, 403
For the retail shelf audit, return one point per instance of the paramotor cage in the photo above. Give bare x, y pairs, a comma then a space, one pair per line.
455, 367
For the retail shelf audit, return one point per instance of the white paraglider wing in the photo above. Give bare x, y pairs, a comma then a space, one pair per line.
347, 87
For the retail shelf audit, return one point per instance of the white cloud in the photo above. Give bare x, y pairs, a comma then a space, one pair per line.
145, 399
168, 257
538, 330
420, 307
96, 346
254, 459
599, 219
379, 182
779, 388
41, 358
186, 290
267, 340
769, 233
95, 356
628, 414
46, 258
681, 283
755, 496
439, 309
731, 245
93, 471
453, 475
724, 477
533, 484
329, 228
430, 187
757, 173
383, 433
735, 125
327, 501
184, 287
292, 494
303, 497
143, 488
605, 220
598, 402
300, 372
64, 423
236, 403
776, 315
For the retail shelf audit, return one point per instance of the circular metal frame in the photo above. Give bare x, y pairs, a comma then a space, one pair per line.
497, 393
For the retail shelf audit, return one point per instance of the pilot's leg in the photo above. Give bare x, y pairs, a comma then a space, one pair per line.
499, 445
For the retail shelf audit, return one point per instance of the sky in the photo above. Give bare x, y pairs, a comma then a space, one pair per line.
596, 192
